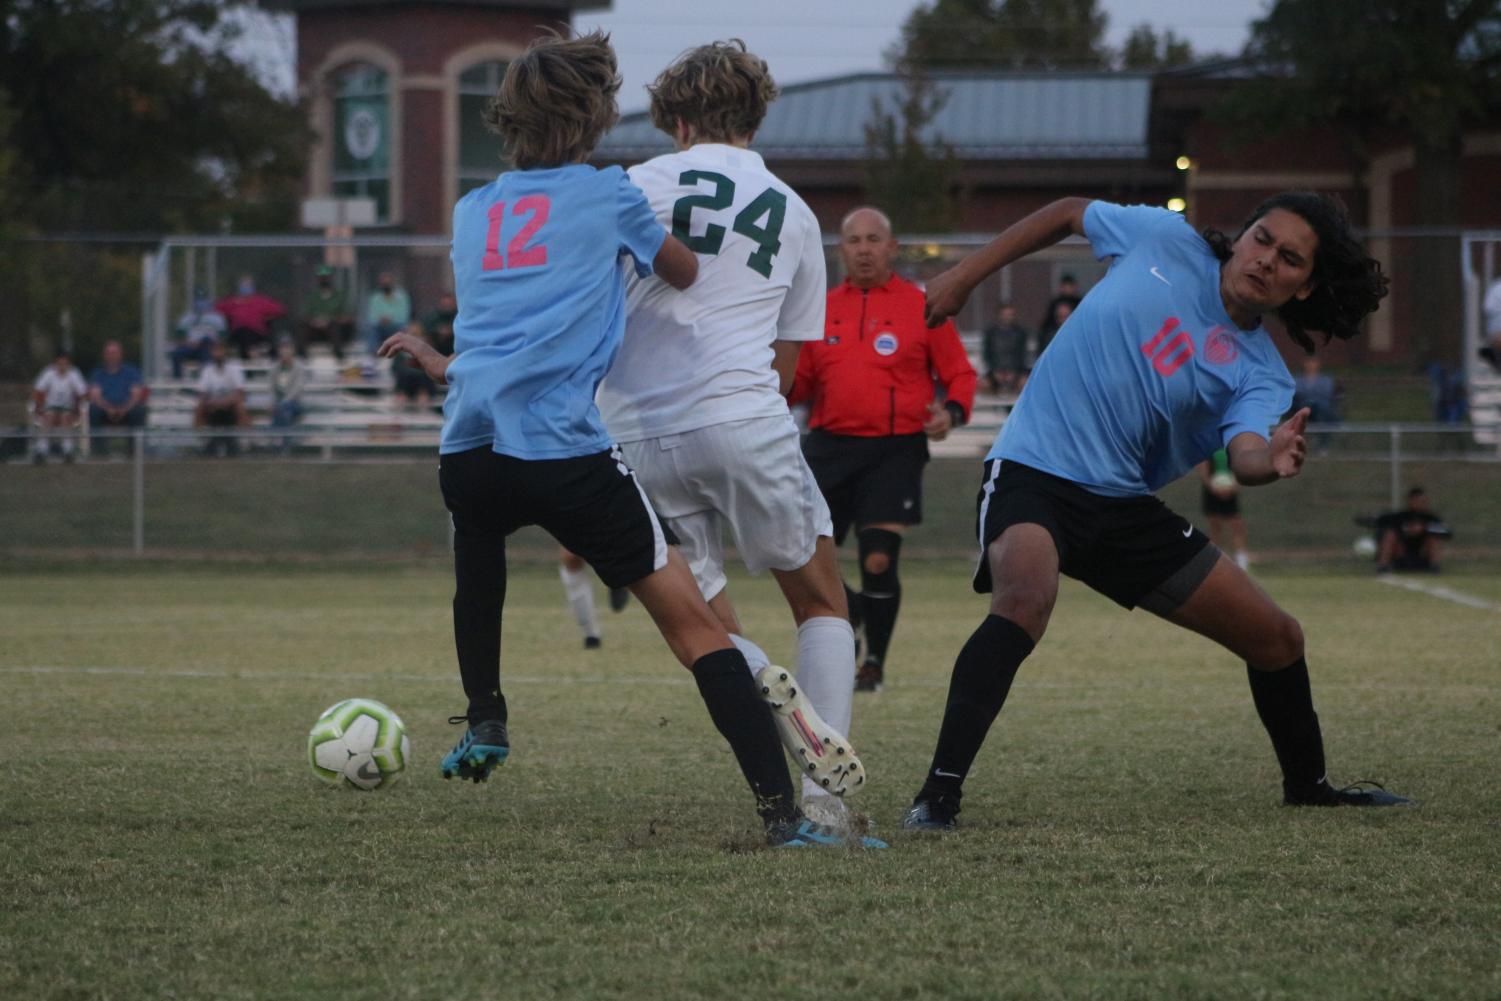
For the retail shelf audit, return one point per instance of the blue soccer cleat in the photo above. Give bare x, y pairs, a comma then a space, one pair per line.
931, 815
804, 833
483, 747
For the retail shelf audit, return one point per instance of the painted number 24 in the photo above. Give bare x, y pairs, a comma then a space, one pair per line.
518, 254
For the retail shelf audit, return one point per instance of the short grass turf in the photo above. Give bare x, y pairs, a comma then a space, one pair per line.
161, 835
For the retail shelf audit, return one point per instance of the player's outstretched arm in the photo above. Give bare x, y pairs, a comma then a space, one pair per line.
675, 264
1256, 461
1048, 225
433, 363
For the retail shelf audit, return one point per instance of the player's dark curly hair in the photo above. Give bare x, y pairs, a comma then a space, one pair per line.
557, 100
1348, 282
721, 91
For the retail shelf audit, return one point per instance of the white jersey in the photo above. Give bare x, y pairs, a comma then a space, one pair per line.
60, 390
703, 356
216, 383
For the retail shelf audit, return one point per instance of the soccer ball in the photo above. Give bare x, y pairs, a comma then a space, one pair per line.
358, 743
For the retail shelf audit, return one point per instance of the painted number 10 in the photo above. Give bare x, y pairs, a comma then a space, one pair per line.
1168, 350
518, 254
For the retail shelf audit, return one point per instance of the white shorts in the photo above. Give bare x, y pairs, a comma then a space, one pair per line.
748, 475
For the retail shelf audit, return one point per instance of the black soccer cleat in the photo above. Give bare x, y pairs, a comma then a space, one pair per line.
619, 598
871, 677
938, 814
592, 642
1362, 793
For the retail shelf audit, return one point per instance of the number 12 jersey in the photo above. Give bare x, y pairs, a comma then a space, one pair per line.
702, 357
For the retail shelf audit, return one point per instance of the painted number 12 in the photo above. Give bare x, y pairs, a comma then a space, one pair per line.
518, 254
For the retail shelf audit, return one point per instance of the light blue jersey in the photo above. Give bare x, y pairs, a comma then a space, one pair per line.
536, 265
1149, 376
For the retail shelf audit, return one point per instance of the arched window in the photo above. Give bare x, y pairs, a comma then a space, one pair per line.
361, 139
481, 152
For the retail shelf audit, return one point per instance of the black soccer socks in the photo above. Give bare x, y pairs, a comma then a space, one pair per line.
982, 678
738, 712
880, 593
480, 592
1285, 704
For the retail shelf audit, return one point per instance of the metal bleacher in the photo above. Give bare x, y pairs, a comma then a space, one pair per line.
346, 404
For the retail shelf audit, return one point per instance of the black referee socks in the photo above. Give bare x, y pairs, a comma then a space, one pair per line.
880, 593
1285, 704
982, 678
729, 693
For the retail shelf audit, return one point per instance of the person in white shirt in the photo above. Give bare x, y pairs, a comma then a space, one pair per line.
1490, 348
221, 398
57, 398
695, 396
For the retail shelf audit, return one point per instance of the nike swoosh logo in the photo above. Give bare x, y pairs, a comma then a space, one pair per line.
1159, 276
368, 771
947, 775
1188, 531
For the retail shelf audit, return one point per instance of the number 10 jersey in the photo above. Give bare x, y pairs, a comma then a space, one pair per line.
702, 357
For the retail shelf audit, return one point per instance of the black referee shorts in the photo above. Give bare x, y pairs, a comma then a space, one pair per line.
867, 481
1134, 550
591, 504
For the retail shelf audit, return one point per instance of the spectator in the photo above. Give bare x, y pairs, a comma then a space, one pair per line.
288, 380
414, 390
388, 310
327, 315
1318, 392
1491, 349
197, 331
1062, 310
872, 382
1412, 538
57, 398
117, 397
1052, 319
221, 399
249, 316
438, 325
1005, 352
1450, 398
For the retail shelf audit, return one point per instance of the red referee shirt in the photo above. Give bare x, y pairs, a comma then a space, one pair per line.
874, 371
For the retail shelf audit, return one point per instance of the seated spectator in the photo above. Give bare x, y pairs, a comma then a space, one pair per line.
1450, 398
327, 315
197, 331
221, 399
288, 380
1005, 352
1066, 296
388, 310
438, 325
414, 390
1318, 392
1490, 349
249, 316
1411, 539
117, 398
57, 399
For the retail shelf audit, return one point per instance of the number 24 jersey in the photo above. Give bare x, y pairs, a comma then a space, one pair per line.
701, 357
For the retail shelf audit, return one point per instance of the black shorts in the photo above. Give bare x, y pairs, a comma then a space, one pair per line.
867, 481
1133, 550
591, 504
1216, 506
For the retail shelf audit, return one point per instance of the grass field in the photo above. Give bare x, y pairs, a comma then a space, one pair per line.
160, 835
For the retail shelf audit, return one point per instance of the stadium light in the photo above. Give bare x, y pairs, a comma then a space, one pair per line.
1183, 163
1177, 204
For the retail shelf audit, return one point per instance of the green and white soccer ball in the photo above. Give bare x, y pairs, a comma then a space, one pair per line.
359, 743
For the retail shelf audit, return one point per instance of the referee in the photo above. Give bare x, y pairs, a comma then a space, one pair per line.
871, 382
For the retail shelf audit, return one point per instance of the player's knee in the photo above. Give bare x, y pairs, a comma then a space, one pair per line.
1028, 607
1284, 643
879, 549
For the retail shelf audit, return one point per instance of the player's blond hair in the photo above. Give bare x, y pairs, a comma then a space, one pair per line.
556, 100
719, 90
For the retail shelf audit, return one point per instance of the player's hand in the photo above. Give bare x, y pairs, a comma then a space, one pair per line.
1288, 446
946, 295
433, 364
939, 422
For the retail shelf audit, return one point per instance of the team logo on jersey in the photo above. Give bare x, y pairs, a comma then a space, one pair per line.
1220, 347
885, 343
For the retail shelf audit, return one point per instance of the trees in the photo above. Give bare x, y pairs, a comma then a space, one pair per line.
1419, 71
130, 115
911, 182
1146, 50
1004, 34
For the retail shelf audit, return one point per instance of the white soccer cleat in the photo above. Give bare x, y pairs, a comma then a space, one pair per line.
822, 753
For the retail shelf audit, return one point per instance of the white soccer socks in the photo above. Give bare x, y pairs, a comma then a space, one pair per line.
580, 590
755, 657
